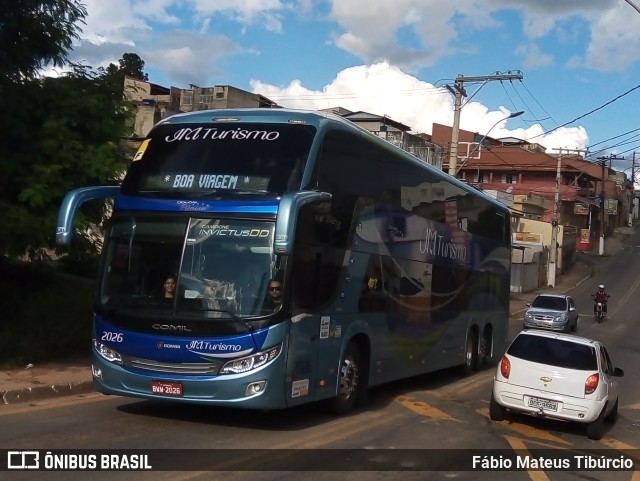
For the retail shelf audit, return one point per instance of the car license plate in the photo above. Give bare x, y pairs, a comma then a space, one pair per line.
165, 388
545, 404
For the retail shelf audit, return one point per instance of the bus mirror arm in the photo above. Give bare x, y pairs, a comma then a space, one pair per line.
288, 212
72, 202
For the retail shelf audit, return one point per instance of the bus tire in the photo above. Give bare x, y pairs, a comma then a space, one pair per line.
484, 349
348, 382
470, 354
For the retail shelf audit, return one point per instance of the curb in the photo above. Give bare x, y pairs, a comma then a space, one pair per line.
39, 393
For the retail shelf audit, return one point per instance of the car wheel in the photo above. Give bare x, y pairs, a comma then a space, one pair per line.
348, 385
574, 328
496, 411
612, 417
595, 430
470, 354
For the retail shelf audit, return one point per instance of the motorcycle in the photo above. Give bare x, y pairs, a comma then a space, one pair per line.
600, 307
600, 313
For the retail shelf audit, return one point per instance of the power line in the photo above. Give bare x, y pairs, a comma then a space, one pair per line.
588, 113
613, 138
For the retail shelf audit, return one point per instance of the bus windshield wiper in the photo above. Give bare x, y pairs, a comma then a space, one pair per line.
233, 316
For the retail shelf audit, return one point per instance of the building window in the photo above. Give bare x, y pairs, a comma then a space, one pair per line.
509, 178
187, 98
206, 99
482, 177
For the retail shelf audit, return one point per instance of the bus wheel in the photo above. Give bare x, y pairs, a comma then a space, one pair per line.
348, 385
484, 350
470, 354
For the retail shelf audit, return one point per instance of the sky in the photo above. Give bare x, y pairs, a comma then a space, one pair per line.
579, 60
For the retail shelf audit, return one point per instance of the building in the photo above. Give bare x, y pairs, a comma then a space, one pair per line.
591, 196
155, 102
396, 133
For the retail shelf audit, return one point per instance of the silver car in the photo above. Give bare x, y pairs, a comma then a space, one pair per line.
556, 312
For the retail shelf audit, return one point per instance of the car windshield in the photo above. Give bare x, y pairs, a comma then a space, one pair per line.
554, 352
549, 302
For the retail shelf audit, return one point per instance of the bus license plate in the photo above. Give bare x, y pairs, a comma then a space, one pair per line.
165, 388
545, 404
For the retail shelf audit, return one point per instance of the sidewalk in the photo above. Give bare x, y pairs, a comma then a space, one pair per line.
39, 382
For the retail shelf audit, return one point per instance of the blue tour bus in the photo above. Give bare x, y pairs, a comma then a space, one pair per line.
389, 267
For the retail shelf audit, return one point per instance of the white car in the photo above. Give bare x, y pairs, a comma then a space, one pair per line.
557, 376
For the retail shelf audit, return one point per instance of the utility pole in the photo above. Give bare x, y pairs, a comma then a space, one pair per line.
555, 221
633, 190
553, 251
458, 92
633, 186
602, 161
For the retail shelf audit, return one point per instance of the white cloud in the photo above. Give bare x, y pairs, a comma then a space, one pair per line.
384, 89
533, 58
190, 57
246, 12
615, 44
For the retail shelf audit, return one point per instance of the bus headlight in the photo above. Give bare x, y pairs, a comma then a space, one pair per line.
106, 352
249, 363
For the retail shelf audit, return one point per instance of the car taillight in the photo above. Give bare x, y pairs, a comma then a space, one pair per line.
591, 384
505, 367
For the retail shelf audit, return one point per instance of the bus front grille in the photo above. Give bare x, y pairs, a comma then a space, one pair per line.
200, 368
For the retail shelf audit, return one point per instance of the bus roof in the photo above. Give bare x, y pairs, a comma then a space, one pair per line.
308, 117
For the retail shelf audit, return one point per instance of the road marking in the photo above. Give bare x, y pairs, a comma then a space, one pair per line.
54, 403
524, 430
423, 409
452, 391
626, 296
625, 448
517, 444
339, 430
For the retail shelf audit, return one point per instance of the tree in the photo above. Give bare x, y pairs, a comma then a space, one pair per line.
35, 33
63, 133
58, 133
130, 64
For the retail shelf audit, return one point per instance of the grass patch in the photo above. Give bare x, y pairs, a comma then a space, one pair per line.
45, 315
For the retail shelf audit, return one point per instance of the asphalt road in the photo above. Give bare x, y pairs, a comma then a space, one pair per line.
437, 421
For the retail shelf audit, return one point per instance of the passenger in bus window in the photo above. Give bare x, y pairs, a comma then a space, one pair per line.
169, 287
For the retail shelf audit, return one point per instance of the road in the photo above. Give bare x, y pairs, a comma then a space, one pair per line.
438, 420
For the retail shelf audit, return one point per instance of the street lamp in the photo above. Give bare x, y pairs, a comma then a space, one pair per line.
477, 146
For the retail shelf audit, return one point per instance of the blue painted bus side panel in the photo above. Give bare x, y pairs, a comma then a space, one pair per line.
143, 204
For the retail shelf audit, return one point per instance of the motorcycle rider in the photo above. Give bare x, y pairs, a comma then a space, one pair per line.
602, 297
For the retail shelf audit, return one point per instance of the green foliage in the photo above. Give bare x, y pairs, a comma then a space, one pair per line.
46, 314
130, 64
62, 133
34, 33
80, 263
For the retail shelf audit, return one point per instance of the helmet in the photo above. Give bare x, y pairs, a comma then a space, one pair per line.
601, 286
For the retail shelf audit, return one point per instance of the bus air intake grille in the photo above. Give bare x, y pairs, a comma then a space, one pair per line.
200, 369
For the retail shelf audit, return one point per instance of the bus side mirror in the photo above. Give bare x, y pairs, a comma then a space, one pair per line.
287, 219
72, 202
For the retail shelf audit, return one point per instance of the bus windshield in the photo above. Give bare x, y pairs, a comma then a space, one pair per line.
194, 160
198, 268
